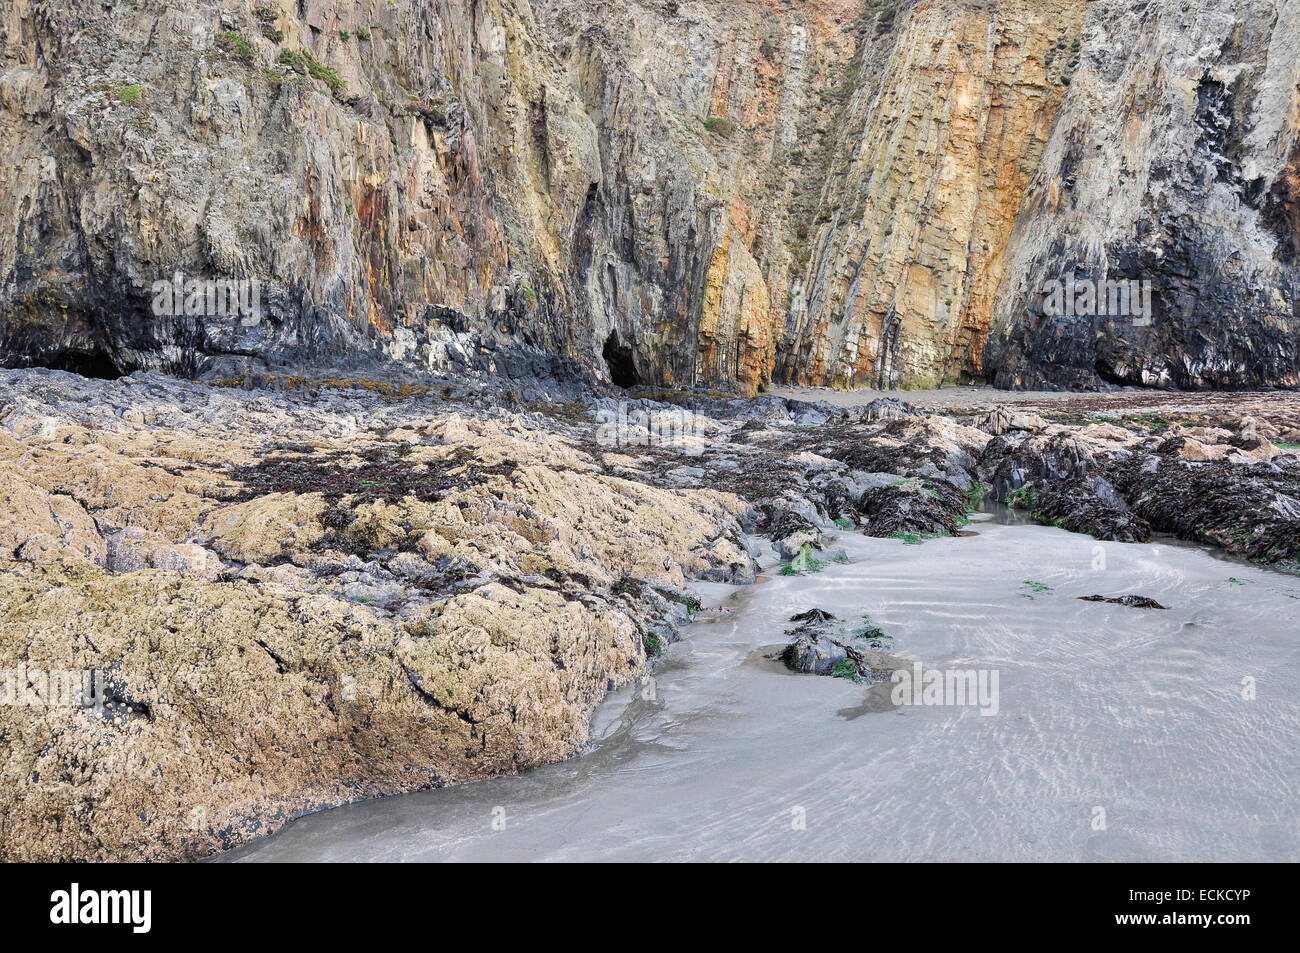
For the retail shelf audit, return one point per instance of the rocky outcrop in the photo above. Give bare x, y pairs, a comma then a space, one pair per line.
298, 601
1210, 478
684, 193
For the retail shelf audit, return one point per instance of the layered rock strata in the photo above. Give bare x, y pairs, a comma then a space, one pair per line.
685, 193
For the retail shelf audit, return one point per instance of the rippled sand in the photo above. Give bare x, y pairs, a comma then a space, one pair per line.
1136, 712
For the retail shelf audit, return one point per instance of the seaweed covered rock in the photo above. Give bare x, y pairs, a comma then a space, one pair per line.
1089, 505
1132, 601
816, 654
1009, 465
930, 446
1250, 510
914, 508
821, 645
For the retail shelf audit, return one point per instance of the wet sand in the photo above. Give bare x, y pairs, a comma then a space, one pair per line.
1136, 713
969, 397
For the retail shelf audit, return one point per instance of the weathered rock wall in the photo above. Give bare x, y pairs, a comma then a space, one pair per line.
931, 160
711, 193
430, 181
1173, 160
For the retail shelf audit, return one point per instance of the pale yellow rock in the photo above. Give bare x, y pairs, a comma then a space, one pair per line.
44, 548
30, 510
433, 545
1194, 450
264, 529
252, 692
184, 558
1002, 419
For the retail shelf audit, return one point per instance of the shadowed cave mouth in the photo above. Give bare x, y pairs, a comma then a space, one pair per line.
94, 364
619, 360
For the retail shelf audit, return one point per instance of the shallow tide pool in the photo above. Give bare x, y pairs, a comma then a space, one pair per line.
1120, 734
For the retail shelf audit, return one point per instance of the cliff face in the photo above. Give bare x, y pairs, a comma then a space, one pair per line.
450, 183
1173, 160
661, 192
932, 158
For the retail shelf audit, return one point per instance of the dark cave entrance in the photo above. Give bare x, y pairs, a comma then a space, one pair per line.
619, 360
95, 364
1104, 369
